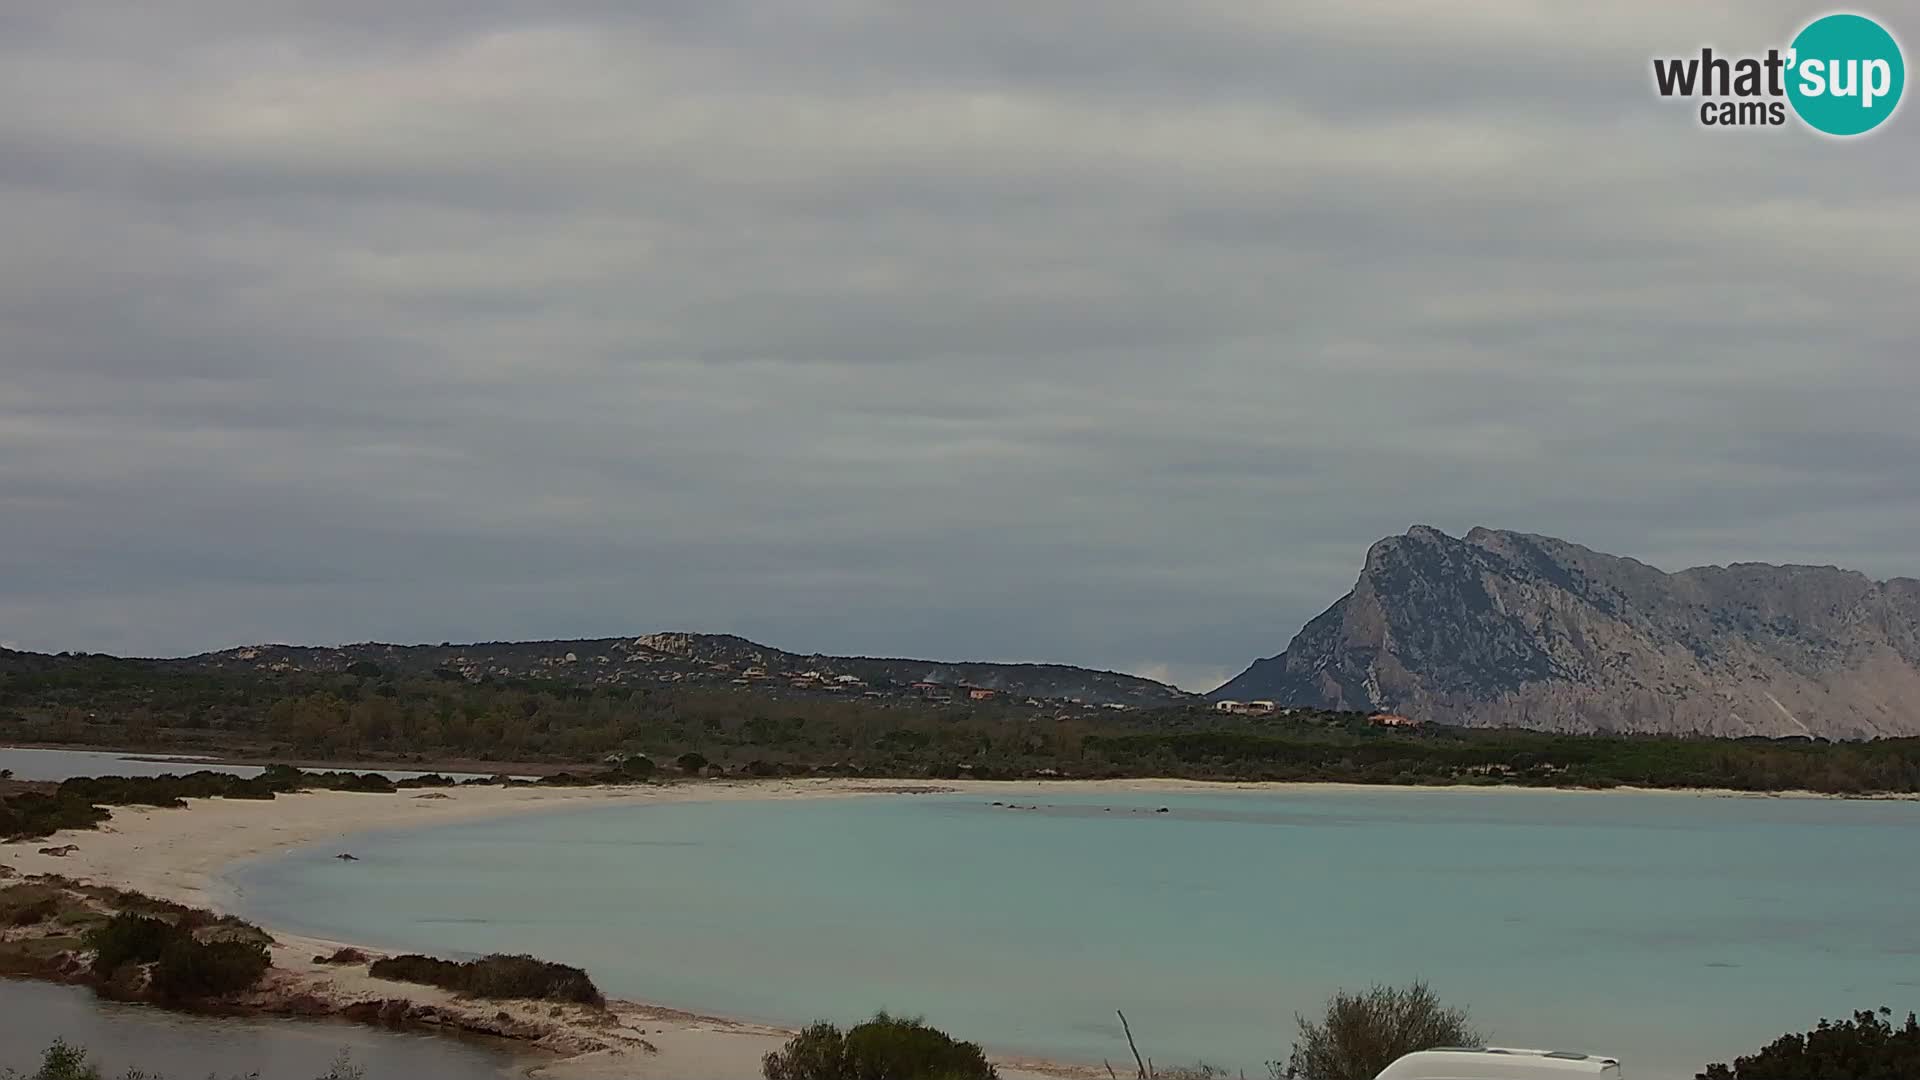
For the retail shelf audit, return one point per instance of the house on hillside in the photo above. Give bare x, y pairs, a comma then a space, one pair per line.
1231, 706
981, 694
1382, 719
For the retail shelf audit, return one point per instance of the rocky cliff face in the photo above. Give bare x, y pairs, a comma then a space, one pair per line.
1512, 630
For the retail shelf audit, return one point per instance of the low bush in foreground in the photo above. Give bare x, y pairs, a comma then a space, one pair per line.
184, 967
496, 976
1362, 1033
1867, 1047
883, 1048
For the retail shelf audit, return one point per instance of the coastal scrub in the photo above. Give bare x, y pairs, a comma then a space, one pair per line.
883, 1048
497, 976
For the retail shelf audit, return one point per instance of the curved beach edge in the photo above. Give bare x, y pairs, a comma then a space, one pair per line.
182, 855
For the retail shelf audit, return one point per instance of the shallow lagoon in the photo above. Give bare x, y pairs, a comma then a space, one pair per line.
34, 763
120, 1037
1670, 930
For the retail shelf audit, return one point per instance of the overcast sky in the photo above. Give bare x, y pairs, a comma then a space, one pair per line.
1110, 333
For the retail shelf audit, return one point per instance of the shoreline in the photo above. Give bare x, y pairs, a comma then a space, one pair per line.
230, 758
1170, 784
182, 855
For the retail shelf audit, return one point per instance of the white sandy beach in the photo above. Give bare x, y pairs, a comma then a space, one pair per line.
179, 855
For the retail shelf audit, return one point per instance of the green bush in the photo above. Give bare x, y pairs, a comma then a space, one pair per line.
1363, 1033
62, 1061
691, 762
33, 814
1867, 1047
185, 968
128, 938
883, 1048
497, 976
372, 782
190, 969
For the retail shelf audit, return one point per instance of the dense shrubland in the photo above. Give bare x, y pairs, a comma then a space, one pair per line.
498, 976
1867, 1047
750, 732
80, 803
187, 963
125, 944
883, 1048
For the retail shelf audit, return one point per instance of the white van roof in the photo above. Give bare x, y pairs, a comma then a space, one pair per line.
1500, 1063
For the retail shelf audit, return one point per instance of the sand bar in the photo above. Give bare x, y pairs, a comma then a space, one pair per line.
180, 855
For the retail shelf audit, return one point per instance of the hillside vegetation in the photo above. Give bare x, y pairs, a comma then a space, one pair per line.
371, 715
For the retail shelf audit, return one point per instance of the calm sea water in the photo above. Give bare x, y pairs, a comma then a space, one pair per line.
120, 1037
36, 764
1667, 930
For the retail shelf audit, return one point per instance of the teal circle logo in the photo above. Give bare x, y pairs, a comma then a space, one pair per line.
1845, 74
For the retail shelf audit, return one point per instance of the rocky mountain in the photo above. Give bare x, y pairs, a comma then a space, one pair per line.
1512, 630
701, 658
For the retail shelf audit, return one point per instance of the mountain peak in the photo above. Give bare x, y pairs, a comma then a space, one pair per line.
1502, 628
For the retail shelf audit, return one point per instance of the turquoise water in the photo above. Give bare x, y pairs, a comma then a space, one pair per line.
1666, 930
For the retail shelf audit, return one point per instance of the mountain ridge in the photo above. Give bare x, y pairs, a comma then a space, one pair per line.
679, 656
1500, 628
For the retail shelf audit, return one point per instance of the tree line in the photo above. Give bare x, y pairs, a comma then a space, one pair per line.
371, 715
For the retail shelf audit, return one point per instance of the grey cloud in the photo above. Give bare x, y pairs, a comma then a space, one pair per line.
1110, 333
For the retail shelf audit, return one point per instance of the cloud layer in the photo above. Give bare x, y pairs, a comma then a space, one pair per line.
1100, 332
